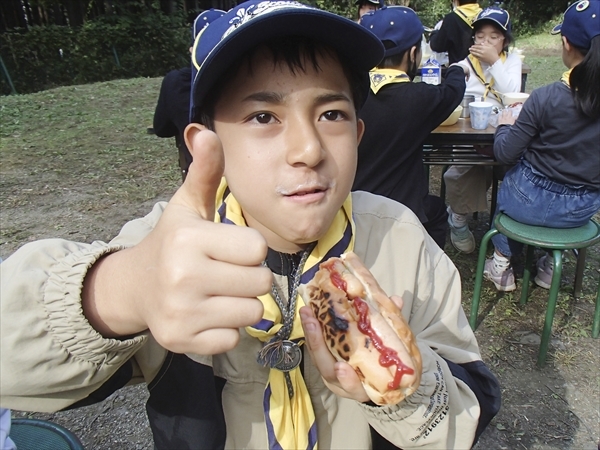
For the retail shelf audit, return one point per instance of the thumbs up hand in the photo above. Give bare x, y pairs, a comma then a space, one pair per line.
192, 282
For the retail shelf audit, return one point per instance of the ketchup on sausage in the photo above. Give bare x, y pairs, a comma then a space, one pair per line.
388, 357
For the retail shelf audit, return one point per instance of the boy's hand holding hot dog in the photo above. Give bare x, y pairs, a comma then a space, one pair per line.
364, 330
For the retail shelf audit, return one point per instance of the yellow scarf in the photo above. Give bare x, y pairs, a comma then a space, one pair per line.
290, 421
566, 77
468, 12
382, 77
476, 65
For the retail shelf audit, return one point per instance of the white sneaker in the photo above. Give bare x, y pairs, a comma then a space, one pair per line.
461, 237
504, 280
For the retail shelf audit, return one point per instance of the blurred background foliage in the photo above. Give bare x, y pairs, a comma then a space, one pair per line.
47, 43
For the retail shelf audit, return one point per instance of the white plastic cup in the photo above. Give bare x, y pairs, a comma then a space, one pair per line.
480, 113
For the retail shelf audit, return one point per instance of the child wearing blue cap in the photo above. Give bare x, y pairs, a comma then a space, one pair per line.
455, 33
399, 115
214, 274
555, 144
493, 71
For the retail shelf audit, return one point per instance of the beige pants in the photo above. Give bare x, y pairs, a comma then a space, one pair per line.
466, 188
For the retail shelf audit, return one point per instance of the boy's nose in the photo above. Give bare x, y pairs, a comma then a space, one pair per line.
304, 144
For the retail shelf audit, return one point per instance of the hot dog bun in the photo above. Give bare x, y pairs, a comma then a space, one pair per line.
343, 291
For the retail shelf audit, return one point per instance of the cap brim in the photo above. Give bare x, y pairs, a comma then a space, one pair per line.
361, 48
483, 19
556, 29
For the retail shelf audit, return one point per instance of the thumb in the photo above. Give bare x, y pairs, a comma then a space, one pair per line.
205, 172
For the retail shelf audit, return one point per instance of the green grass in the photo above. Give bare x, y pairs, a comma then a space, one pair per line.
77, 161
543, 54
539, 42
544, 70
88, 132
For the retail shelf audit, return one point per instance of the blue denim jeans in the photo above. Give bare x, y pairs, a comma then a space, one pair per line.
529, 197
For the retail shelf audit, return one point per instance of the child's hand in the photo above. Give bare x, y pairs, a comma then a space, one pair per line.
485, 52
338, 376
506, 117
191, 281
464, 67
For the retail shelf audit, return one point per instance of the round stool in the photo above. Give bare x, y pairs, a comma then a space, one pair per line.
36, 434
555, 239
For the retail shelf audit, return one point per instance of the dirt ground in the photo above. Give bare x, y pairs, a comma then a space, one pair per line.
557, 407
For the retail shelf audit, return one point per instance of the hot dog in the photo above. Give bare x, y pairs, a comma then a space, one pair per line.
363, 327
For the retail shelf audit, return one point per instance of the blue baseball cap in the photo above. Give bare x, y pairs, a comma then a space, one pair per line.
249, 24
581, 23
398, 28
200, 23
204, 18
496, 15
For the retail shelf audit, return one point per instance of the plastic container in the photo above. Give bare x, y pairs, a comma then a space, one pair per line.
480, 113
514, 97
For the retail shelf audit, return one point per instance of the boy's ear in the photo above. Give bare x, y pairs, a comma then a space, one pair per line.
190, 132
413, 54
360, 130
566, 43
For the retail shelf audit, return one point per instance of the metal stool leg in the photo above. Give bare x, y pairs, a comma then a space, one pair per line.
581, 254
526, 274
479, 276
494, 199
596, 326
552, 298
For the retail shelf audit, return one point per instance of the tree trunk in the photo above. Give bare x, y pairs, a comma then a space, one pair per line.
11, 15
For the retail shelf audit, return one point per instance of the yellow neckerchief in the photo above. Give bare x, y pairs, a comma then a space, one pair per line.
382, 77
566, 78
291, 422
476, 65
468, 12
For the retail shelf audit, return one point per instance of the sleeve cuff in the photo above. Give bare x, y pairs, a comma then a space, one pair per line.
67, 324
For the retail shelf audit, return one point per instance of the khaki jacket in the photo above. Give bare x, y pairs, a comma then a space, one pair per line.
51, 357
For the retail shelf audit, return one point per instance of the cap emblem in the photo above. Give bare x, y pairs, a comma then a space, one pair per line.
581, 6
244, 15
490, 12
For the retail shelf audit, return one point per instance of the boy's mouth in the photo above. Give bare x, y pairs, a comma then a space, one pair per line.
308, 196
305, 193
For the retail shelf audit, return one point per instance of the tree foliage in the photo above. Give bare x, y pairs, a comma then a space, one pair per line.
45, 43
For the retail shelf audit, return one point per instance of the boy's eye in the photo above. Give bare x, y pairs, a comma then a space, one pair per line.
263, 118
333, 116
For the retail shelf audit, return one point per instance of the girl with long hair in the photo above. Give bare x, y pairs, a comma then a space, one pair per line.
555, 144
